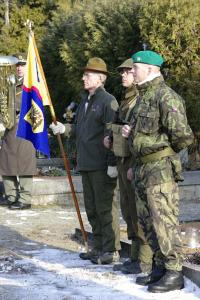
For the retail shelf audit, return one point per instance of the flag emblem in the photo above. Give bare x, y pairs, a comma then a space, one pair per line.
35, 118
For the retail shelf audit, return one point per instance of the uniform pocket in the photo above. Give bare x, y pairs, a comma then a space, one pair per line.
120, 144
148, 122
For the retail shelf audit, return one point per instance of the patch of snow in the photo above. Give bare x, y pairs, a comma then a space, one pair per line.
55, 274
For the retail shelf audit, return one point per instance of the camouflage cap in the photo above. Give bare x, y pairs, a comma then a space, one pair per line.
21, 58
148, 57
96, 64
127, 64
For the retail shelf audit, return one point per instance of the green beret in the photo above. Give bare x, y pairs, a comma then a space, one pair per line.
148, 57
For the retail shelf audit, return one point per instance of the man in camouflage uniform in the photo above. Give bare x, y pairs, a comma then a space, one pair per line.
17, 156
158, 132
141, 253
96, 164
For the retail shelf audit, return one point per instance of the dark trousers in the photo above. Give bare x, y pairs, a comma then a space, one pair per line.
102, 210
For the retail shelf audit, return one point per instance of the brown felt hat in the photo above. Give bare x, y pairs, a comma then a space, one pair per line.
96, 64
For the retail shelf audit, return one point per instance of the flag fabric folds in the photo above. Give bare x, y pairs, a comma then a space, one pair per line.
35, 95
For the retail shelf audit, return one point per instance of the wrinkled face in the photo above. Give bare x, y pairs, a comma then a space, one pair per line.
140, 72
127, 77
91, 80
20, 70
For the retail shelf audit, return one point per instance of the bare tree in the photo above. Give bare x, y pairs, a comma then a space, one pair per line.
7, 21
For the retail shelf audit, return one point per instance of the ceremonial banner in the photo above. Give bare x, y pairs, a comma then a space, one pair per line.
32, 125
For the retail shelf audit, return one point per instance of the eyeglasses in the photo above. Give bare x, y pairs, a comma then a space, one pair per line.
126, 72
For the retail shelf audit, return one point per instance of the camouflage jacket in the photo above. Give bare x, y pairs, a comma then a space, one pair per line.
159, 120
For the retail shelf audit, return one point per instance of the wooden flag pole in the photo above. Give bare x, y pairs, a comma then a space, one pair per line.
64, 156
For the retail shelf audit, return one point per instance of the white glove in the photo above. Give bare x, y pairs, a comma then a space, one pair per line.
59, 128
112, 172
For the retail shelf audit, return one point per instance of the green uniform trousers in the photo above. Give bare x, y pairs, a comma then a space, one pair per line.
158, 210
140, 247
102, 210
18, 188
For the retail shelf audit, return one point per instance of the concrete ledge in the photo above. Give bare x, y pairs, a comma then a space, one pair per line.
191, 178
192, 272
56, 191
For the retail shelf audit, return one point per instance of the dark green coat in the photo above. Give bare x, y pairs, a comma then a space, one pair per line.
90, 130
17, 156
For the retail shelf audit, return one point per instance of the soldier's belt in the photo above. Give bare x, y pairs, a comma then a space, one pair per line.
157, 155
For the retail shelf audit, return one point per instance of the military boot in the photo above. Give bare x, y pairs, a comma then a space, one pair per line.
89, 254
106, 258
133, 268
172, 280
132, 259
5, 202
118, 267
154, 276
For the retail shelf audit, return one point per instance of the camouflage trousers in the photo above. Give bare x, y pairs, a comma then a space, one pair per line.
158, 210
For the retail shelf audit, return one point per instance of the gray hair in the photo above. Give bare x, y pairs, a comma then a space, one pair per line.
103, 78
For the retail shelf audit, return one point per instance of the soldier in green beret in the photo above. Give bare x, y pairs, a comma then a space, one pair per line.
158, 131
141, 254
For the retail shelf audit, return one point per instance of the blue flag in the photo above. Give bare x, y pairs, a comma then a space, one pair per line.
32, 125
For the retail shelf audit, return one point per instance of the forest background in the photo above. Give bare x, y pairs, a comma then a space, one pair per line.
68, 33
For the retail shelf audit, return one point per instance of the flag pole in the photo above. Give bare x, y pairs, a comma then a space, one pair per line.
64, 156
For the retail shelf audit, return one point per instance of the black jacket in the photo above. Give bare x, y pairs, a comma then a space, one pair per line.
90, 128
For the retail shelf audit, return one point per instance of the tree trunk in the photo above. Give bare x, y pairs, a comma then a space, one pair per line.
7, 21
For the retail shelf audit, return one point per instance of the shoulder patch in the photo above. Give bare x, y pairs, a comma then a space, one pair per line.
114, 105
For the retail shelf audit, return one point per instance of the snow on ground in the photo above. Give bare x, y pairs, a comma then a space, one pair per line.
52, 274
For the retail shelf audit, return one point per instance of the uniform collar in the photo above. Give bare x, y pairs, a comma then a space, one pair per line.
130, 92
150, 78
85, 94
153, 83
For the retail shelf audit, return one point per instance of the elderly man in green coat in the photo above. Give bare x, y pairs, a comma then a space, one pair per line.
96, 163
158, 131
